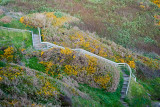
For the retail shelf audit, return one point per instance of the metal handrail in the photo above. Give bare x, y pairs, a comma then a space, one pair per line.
99, 57
50, 45
131, 74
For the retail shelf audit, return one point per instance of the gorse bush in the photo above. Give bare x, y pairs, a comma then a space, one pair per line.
157, 2
48, 19
83, 68
75, 38
33, 87
8, 54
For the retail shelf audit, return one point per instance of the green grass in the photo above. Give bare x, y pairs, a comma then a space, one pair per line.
33, 63
152, 86
95, 1
137, 95
2, 64
99, 97
5, 2
18, 25
16, 39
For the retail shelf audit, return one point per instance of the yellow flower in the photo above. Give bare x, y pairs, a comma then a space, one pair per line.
142, 6
42, 53
1, 78
22, 49
66, 51
74, 57
21, 19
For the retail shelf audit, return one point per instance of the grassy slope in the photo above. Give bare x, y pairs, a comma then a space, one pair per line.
16, 24
103, 98
31, 82
77, 15
26, 81
137, 95
126, 22
17, 39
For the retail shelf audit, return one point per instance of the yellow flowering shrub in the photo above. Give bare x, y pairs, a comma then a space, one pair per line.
157, 17
23, 49
103, 80
11, 72
92, 64
22, 81
66, 51
22, 20
84, 68
157, 2
70, 70
59, 21
152, 63
142, 6
48, 90
46, 19
42, 53
1, 79
48, 68
8, 53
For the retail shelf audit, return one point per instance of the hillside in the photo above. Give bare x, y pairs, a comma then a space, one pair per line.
132, 23
31, 76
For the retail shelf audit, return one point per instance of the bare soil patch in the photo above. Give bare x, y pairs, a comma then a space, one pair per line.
6, 19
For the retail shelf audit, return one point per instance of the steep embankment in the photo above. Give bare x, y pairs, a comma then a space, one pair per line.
64, 34
59, 64
129, 23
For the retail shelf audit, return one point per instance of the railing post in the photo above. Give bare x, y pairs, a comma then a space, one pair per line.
32, 38
39, 33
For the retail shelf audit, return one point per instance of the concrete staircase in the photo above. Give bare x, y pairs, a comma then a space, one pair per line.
37, 43
125, 86
46, 45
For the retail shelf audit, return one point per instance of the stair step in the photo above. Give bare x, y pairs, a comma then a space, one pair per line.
123, 90
124, 102
125, 82
125, 85
37, 45
123, 96
126, 78
123, 93
125, 75
37, 42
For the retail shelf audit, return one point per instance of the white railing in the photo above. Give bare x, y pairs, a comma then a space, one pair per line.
18, 30
94, 55
50, 45
130, 75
